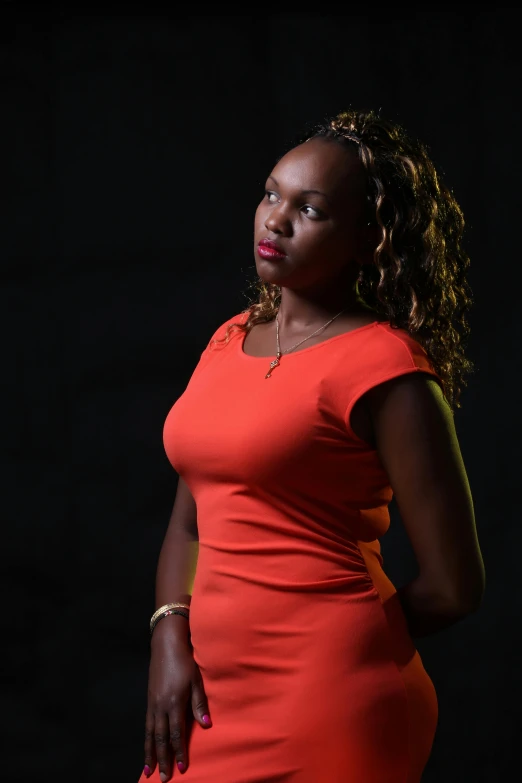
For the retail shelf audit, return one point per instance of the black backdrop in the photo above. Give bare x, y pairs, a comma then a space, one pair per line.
137, 143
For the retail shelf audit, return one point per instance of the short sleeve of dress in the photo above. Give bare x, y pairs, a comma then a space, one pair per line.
389, 354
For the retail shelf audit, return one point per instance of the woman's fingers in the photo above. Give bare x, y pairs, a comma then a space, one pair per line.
162, 745
150, 745
199, 701
166, 729
177, 738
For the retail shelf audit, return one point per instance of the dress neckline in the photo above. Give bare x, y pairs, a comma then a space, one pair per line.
328, 341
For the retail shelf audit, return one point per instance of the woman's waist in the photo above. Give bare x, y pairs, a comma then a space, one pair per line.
258, 627
282, 566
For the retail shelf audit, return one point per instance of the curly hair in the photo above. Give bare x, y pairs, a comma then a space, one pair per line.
417, 280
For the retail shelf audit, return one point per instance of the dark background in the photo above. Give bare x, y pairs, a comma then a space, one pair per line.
137, 143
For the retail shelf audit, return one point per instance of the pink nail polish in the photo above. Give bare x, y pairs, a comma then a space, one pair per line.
147, 770
206, 720
181, 766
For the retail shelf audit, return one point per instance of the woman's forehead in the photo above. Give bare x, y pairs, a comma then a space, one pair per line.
320, 164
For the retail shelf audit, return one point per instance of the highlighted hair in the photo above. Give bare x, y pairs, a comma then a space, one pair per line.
417, 278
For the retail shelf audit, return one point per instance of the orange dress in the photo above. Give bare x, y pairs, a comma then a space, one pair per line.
308, 665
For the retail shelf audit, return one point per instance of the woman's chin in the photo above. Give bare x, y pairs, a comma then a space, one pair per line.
270, 273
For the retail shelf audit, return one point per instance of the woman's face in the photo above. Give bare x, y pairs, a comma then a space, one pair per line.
313, 212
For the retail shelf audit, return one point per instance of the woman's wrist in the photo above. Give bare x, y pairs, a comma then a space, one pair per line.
426, 610
173, 630
165, 610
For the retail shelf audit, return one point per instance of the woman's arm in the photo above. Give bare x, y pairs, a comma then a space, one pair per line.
177, 562
418, 447
174, 679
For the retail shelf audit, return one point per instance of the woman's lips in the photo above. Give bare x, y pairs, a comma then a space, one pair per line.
268, 249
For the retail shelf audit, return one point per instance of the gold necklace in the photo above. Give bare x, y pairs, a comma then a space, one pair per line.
275, 363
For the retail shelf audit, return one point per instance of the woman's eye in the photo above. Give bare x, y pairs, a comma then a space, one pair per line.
313, 211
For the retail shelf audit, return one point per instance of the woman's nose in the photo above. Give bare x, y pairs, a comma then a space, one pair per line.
278, 222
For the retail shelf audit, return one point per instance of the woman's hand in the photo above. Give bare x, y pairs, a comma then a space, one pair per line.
174, 680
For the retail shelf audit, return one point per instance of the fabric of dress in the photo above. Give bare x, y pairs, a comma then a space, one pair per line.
308, 665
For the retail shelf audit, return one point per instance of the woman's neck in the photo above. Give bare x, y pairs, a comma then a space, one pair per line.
298, 311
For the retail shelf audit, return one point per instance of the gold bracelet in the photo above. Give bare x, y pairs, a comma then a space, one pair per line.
164, 608
166, 613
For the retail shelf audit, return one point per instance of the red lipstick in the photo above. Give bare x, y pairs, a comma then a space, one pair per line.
268, 249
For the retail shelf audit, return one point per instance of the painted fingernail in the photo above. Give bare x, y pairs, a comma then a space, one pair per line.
206, 720
147, 770
163, 777
181, 766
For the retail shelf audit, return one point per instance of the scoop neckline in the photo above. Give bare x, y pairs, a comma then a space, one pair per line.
310, 347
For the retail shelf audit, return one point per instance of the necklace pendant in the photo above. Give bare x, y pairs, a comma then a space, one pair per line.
273, 364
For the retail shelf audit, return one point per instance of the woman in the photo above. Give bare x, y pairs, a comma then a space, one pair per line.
291, 658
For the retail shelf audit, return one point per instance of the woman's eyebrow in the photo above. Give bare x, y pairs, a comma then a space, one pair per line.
303, 192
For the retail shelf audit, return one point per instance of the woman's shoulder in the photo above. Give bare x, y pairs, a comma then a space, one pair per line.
397, 342
221, 330
384, 350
